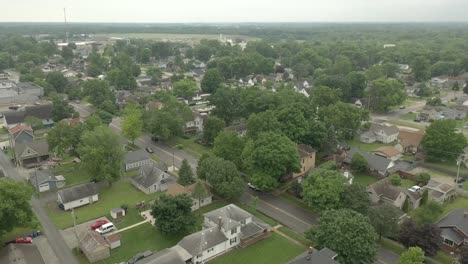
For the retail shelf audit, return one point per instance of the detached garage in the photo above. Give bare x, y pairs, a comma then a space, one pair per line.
45, 180
77, 196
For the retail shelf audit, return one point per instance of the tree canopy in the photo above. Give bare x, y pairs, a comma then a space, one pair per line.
173, 214
322, 189
442, 142
223, 176
15, 210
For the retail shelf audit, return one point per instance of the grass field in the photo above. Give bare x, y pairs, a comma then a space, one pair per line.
160, 36
73, 175
408, 116
405, 183
190, 146
273, 250
399, 122
120, 193
296, 236
364, 179
366, 146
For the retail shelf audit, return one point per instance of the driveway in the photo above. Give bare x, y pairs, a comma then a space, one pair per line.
81, 229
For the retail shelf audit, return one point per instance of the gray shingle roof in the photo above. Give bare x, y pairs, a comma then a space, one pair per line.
134, 156
452, 235
165, 256
385, 189
250, 229
323, 256
78, 192
202, 240
42, 176
388, 129
231, 215
457, 219
149, 174
375, 162
40, 146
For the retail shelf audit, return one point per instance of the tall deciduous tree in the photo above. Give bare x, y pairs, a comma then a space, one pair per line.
223, 176
428, 213
57, 80
345, 118
185, 174
101, 154
229, 146
348, 233
292, 123
355, 197
61, 109
427, 237
359, 163
185, 88
384, 218
441, 141
132, 125
63, 137
262, 122
211, 81
421, 69
15, 210
212, 127
272, 156
414, 255
384, 93
322, 189
173, 214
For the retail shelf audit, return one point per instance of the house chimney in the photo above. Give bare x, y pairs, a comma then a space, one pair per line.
220, 220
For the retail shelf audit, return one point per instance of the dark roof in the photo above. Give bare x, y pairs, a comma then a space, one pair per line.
39, 111
323, 256
375, 162
149, 175
165, 256
202, 240
14, 117
456, 218
388, 129
20, 253
40, 146
42, 176
385, 189
305, 150
451, 234
78, 192
135, 156
250, 229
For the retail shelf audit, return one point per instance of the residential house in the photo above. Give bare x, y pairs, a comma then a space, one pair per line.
20, 134
45, 180
196, 124
440, 192
198, 73
439, 81
30, 154
94, 246
384, 191
240, 129
72, 121
307, 156
152, 178
427, 115
383, 133
42, 112
358, 103
165, 256
404, 68
153, 105
323, 256
454, 230
409, 141
143, 80
388, 152
377, 164
226, 228
302, 87
135, 159
348, 176
197, 202
77, 196
465, 156
452, 114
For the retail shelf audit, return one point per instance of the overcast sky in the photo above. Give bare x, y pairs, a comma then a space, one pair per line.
234, 10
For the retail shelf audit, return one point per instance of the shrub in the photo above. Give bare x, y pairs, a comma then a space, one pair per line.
395, 179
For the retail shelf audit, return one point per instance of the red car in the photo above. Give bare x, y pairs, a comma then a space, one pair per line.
23, 240
98, 224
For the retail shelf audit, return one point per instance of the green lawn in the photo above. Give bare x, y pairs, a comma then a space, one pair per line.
272, 250
364, 179
296, 236
409, 116
190, 146
465, 185
72, 173
367, 146
399, 122
450, 166
397, 248
136, 240
457, 203
120, 193
405, 183
132, 217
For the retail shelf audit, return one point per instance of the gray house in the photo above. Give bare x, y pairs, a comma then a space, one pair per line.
20, 134
30, 154
376, 163
77, 196
135, 159
323, 256
42, 112
152, 178
454, 230
45, 180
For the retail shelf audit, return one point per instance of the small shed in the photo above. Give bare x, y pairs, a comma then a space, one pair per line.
113, 240
117, 212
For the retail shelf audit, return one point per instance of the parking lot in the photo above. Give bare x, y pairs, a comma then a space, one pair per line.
81, 229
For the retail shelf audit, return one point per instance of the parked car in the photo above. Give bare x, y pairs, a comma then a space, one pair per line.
253, 187
402, 107
415, 189
106, 228
460, 180
23, 240
150, 150
13, 107
98, 224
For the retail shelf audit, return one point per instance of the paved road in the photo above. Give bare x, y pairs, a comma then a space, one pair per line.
57, 243
83, 109
386, 256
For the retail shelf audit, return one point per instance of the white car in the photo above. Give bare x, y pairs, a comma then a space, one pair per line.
415, 189
253, 187
106, 228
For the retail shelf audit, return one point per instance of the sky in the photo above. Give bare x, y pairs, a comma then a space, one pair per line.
182, 11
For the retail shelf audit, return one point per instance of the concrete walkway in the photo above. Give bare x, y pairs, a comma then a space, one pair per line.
276, 230
132, 226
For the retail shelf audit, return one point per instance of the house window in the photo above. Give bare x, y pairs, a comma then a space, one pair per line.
199, 255
243, 222
448, 242
233, 241
210, 250
81, 201
233, 231
201, 201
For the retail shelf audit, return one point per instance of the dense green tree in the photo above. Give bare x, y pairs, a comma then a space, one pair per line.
122, 78
57, 81
67, 55
34, 122
173, 214
342, 230
185, 88
292, 123
384, 218
343, 65
101, 154
270, 155
92, 122
211, 81
421, 69
15, 210
423, 178
61, 109
385, 93
355, 197
223, 176
316, 134
358, 83
345, 119
98, 91
375, 72
63, 137
227, 102
132, 124
212, 127
155, 73
359, 163
427, 237
414, 255
262, 122
442, 142
390, 69
325, 96
105, 117
322, 189
202, 52
229, 146
185, 174
428, 213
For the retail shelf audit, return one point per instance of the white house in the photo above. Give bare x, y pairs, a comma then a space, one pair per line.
383, 133
77, 196
135, 159
152, 178
196, 124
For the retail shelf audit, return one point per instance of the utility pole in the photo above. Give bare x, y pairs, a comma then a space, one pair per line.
74, 227
459, 161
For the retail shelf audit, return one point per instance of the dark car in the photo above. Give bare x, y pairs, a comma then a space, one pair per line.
460, 180
402, 107
13, 107
150, 150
